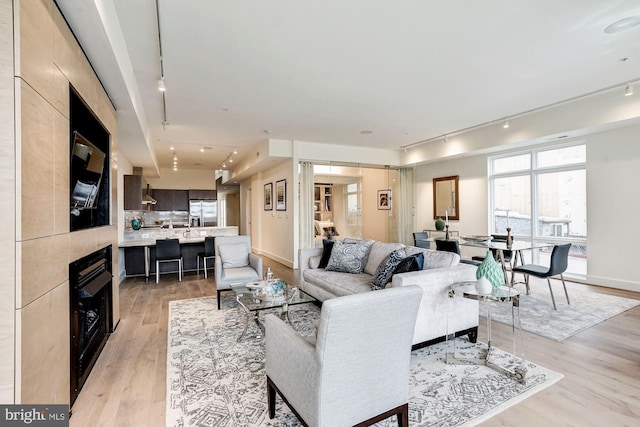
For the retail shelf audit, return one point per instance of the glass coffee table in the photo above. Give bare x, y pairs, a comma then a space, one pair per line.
502, 294
252, 303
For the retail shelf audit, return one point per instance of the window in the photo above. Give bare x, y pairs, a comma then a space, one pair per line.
542, 196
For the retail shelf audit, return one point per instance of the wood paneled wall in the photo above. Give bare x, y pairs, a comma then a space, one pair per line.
47, 59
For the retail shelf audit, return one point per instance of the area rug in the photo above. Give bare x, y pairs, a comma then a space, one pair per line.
538, 316
214, 381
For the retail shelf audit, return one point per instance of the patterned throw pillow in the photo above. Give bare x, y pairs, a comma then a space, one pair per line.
349, 257
386, 269
411, 263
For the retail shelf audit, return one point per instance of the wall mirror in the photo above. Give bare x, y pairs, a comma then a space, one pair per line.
445, 198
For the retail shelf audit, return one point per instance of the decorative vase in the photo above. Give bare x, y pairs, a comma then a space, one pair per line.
439, 224
136, 223
491, 270
483, 286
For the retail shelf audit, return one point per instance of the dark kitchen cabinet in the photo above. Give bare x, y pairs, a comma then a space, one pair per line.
202, 195
171, 200
135, 186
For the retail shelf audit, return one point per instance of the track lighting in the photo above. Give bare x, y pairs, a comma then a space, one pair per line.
202, 149
506, 124
446, 139
161, 86
171, 147
628, 91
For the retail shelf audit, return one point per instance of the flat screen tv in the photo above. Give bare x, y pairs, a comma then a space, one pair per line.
87, 167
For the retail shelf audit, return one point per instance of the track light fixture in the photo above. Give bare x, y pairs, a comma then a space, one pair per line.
506, 124
446, 139
628, 91
161, 86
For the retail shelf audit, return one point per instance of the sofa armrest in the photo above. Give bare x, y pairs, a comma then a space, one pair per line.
303, 261
256, 263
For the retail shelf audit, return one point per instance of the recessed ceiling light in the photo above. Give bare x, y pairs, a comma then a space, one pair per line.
171, 147
506, 124
623, 24
202, 149
366, 132
224, 165
235, 151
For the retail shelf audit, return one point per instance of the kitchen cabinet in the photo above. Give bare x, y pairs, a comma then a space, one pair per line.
135, 187
202, 195
171, 200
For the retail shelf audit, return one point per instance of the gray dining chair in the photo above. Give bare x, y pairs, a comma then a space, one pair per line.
557, 266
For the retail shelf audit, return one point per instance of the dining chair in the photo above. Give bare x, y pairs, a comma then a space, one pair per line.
168, 250
557, 265
420, 240
209, 252
453, 246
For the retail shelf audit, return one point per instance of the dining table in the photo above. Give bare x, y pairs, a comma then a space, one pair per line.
517, 247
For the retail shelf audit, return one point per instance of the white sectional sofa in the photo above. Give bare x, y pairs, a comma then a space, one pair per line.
438, 315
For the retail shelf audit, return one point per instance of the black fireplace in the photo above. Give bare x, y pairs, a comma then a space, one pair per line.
90, 301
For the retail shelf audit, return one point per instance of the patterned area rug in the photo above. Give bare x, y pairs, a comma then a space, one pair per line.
214, 381
538, 316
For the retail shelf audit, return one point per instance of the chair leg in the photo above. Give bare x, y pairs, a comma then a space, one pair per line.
218, 292
271, 398
157, 272
403, 416
180, 270
552, 298
565, 288
204, 262
198, 265
526, 283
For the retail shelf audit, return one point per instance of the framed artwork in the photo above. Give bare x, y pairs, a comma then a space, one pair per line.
268, 196
281, 195
384, 200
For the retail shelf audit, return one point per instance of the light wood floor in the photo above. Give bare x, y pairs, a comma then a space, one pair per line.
601, 366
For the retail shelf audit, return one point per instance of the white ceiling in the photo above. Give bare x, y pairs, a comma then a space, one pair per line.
324, 71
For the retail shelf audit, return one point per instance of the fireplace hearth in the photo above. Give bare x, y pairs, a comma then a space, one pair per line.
91, 316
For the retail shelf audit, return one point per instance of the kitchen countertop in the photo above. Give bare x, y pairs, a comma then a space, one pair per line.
152, 242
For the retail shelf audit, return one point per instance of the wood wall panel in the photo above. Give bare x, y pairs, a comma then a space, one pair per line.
44, 346
7, 206
37, 190
36, 45
61, 173
63, 40
45, 265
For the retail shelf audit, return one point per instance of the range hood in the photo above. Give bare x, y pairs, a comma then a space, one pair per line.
147, 199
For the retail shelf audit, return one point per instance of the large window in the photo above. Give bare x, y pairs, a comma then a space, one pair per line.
541, 195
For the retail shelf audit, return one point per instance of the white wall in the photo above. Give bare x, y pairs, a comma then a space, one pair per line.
613, 173
273, 231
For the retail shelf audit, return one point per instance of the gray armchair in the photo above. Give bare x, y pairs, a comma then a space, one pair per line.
356, 371
235, 264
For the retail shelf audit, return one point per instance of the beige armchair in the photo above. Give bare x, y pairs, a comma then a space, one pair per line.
235, 264
356, 371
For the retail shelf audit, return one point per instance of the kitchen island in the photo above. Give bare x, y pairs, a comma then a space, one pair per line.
140, 248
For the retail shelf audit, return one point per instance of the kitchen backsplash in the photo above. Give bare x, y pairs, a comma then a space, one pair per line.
153, 219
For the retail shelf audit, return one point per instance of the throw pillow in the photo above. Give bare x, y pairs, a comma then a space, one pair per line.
314, 261
386, 268
327, 245
411, 263
349, 257
234, 255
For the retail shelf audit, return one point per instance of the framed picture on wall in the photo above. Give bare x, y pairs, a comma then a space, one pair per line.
268, 196
281, 195
384, 200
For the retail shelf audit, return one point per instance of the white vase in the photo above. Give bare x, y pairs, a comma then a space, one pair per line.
483, 286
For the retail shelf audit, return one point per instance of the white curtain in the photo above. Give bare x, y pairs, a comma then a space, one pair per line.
406, 206
306, 205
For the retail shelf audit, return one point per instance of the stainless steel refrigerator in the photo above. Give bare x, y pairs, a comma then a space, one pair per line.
203, 213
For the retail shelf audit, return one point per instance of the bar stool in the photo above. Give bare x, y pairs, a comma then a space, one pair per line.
168, 250
208, 253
